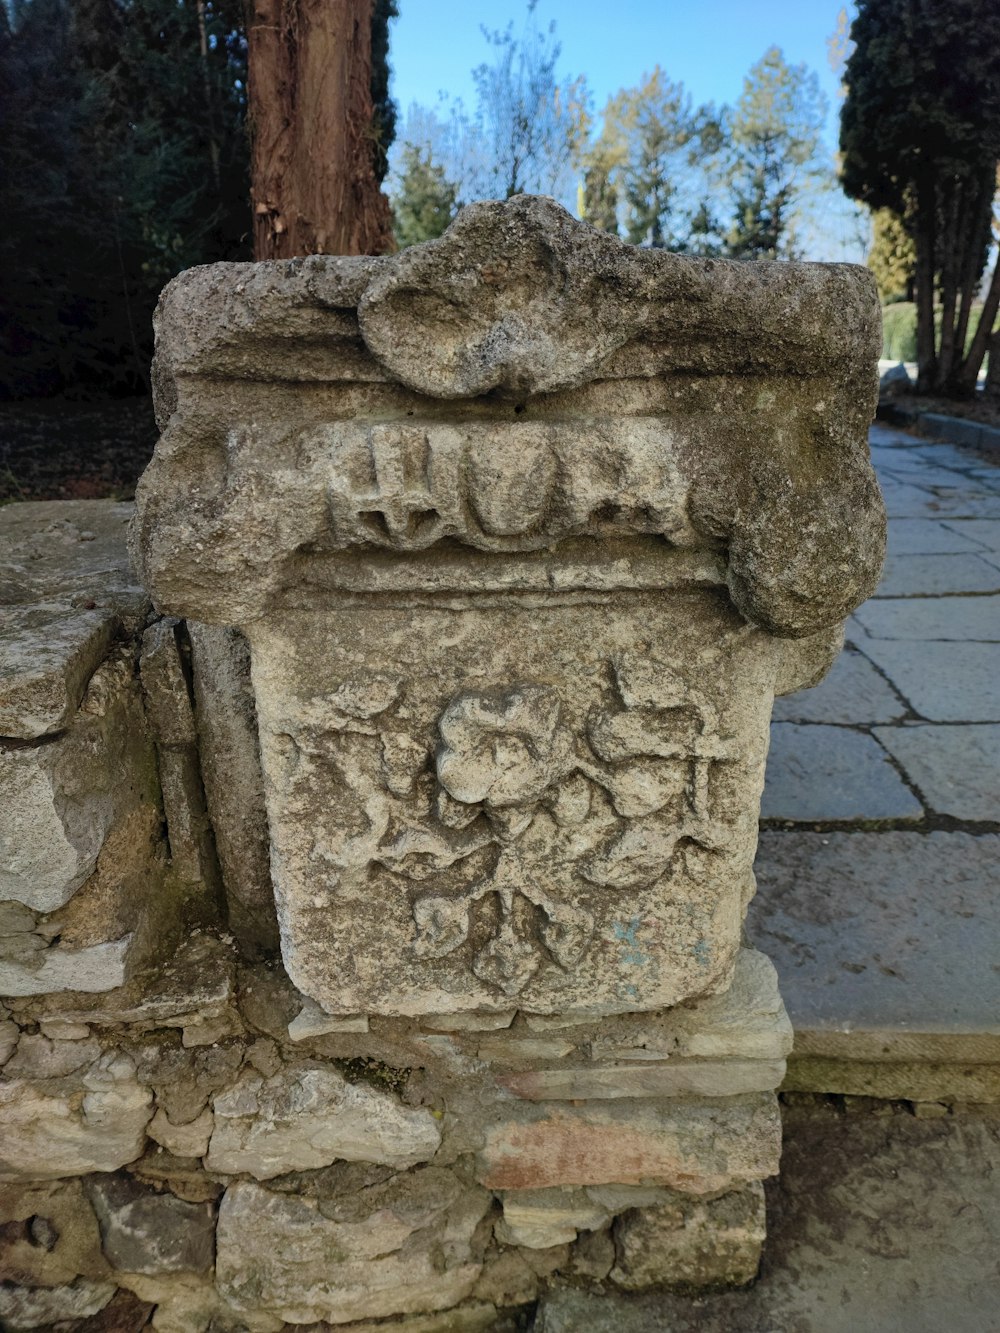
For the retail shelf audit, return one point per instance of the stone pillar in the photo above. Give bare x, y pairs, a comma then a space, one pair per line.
525, 528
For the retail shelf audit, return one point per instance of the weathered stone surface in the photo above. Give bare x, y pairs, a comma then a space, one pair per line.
312, 1021
545, 807
956, 769
410, 1245
59, 800
47, 656
825, 772
186, 1140
474, 1318
38, 1307
539, 1219
579, 772
692, 1242
94, 1120
701, 1147
146, 1232
305, 1117
884, 942
49, 1235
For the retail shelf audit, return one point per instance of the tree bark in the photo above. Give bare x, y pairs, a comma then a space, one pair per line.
313, 183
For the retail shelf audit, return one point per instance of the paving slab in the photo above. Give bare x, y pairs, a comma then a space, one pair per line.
852, 693
912, 575
878, 1224
820, 772
985, 531
884, 942
955, 768
943, 682
928, 536
966, 619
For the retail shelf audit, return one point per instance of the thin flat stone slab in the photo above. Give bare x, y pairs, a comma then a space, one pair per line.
926, 536
853, 694
47, 656
826, 772
984, 531
885, 943
955, 768
943, 682
965, 619
911, 575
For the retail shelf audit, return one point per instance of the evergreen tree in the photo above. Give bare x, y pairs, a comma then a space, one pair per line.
426, 200
775, 133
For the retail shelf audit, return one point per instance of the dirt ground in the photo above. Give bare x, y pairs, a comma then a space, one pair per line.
54, 449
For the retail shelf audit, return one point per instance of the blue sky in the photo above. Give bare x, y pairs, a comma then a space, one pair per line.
708, 45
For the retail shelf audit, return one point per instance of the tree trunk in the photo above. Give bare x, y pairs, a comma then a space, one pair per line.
969, 369
993, 369
313, 183
924, 242
948, 249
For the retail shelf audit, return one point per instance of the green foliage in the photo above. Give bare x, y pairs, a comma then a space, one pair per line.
775, 133
899, 331
123, 161
892, 258
426, 201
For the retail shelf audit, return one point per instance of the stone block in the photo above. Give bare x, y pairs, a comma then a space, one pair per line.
60, 799
410, 1245
49, 1235
305, 1117
676, 1078
40, 1307
695, 1146
143, 1231
68, 590
93, 1120
692, 1242
578, 772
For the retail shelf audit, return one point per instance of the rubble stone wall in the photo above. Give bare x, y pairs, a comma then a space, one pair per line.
372, 883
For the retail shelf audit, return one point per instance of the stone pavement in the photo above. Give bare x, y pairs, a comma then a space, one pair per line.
879, 864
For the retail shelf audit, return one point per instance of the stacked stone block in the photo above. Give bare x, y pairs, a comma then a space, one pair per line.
474, 573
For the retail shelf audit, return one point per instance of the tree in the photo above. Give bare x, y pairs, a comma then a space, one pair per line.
318, 141
776, 157
426, 200
920, 135
651, 167
533, 127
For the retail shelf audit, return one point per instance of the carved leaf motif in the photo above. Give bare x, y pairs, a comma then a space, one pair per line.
507, 961
637, 857
566, 932
442, 925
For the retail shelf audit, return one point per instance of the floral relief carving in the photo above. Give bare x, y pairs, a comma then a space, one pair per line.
510, 825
